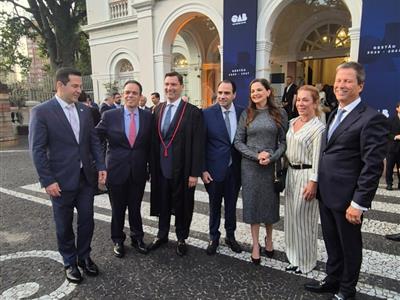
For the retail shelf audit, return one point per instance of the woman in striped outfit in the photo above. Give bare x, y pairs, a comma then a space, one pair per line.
301, 207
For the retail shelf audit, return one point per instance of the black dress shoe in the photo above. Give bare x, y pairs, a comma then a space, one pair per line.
321, 287
212, 247
393, 237
298, 271
389, 187
233, 244
140, 246
156, 243
341, 296
291, 268
89, 267
73, 274
181, 248
119, 250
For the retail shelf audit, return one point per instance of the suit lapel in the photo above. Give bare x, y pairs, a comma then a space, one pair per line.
221, 122
81, 120
352, 117
174, 120
141, 124
121, 125
59, 112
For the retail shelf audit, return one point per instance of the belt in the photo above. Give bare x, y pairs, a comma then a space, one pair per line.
300, 166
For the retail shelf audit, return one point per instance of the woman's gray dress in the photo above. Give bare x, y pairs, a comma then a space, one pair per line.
260, 202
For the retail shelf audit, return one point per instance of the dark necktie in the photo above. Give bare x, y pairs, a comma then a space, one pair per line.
167, 120
228, 124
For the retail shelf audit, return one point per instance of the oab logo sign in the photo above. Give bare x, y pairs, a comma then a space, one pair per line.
239, 19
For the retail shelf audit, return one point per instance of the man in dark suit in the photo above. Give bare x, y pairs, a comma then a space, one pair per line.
177, 162
289, 98
64, 145
142, 103
393, 154
107, 104
221, 175
128, 133
351, 163
155, 98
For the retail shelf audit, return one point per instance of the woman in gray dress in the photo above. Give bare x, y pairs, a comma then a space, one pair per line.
260, 138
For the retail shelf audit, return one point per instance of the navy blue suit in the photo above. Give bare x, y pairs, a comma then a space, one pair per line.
219, 151
58, 157
126, 169
351, 164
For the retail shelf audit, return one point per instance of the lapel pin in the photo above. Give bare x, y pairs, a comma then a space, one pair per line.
81, 109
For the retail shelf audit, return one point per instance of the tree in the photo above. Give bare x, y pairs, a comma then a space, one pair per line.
54, 23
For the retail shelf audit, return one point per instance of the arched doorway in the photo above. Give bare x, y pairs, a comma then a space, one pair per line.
196, 56
309, 39
188, 42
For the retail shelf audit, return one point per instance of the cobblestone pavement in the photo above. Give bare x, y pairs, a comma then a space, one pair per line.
30, 266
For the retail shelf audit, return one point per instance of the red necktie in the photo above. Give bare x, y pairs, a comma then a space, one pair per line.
132, 130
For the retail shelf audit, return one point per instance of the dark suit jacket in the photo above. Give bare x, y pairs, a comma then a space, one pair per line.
187, 156
56, 154
105, 107
351, 163
288, 95
394, 145
218, 147
123, 160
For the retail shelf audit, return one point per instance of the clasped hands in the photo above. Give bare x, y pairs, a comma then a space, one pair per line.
263, 158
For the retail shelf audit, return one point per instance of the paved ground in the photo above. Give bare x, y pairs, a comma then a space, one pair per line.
30, 265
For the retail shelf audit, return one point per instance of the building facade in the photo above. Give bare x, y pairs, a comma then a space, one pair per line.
144, 39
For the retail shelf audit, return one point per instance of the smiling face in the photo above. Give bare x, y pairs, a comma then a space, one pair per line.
131, 95
259, 94
225, 95
346, 87
70, 92
305, 104
172, 88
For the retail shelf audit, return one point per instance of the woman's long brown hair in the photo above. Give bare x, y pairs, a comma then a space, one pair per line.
272, 108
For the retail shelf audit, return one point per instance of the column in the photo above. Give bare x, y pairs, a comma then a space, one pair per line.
162, 65
354, 33
263, 55
145, 43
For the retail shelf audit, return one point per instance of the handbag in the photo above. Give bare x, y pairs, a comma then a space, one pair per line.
280, 176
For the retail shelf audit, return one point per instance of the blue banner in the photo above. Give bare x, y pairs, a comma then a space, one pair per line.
239, 49
380, 53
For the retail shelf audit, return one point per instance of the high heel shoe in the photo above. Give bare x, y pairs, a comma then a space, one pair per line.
269, 254
257, 261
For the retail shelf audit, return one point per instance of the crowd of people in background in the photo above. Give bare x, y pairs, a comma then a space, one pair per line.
317, 139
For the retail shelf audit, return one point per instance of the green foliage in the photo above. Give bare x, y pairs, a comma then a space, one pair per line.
111, 87
11, 32
54, 24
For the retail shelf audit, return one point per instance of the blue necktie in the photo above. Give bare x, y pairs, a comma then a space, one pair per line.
167, 120
333, 127
228, 124
73, 121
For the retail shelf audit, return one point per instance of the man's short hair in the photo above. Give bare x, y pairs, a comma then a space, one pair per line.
228, 81
134, 82
62, 74
360, 71
175, 74
398, 104
157, 95
115, 94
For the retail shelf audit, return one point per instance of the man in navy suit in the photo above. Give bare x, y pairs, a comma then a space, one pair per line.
221, 174
64, 145
128, 133
351, 163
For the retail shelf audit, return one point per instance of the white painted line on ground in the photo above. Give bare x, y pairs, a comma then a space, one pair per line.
373, 262
369, 225
13, 151
272, 263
